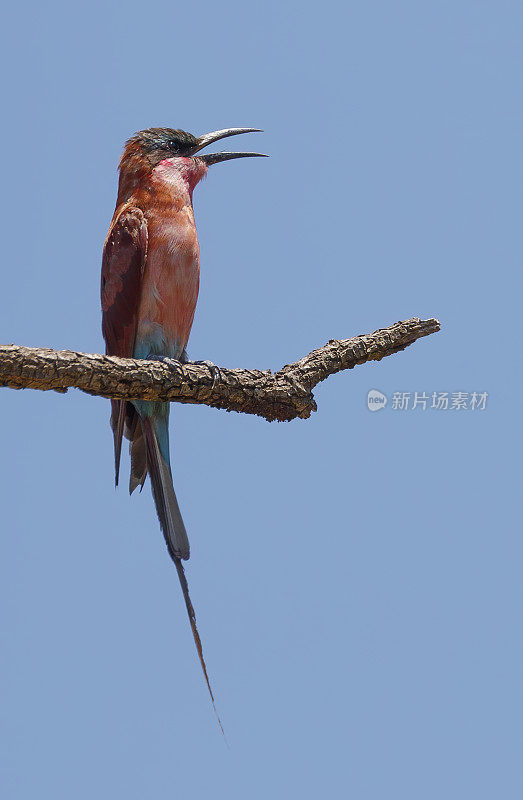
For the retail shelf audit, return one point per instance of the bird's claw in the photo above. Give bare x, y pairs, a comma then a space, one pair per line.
214, 370
175, 363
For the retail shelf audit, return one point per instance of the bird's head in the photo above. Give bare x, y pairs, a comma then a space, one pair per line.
157, 148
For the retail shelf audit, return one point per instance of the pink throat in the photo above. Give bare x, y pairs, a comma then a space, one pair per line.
188, 171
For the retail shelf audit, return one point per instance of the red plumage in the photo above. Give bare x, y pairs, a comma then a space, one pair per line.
149, 289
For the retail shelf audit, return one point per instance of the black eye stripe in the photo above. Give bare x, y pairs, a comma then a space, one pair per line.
160, 143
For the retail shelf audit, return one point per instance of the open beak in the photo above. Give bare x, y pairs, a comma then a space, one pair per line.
214, 158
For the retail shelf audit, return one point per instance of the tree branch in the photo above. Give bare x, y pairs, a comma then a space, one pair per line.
284, 395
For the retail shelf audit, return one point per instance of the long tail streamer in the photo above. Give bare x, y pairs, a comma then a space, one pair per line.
196, 635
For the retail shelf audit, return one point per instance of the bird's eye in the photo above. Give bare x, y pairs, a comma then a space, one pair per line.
174, 146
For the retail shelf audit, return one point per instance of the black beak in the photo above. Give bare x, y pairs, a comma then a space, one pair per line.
214, 158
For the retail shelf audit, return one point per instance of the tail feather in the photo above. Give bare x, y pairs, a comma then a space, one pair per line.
167, 507
138, 452
144, 432
196, 636
117, 424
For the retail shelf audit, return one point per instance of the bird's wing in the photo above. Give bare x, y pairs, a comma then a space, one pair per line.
123, 263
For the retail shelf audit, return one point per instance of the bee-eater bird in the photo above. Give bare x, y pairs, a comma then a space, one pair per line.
149, 288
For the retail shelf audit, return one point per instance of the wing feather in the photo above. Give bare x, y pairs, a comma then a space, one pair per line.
123, 263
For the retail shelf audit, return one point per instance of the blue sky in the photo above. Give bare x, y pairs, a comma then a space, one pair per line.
356, 576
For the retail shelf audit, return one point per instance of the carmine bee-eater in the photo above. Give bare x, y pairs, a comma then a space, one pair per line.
149, 288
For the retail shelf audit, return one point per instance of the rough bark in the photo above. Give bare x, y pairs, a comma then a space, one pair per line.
284, 395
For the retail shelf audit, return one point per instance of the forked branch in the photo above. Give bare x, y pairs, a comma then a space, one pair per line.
283, 395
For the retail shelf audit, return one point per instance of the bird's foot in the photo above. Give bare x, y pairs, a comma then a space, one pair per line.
184, 360
214, 370
173, 363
